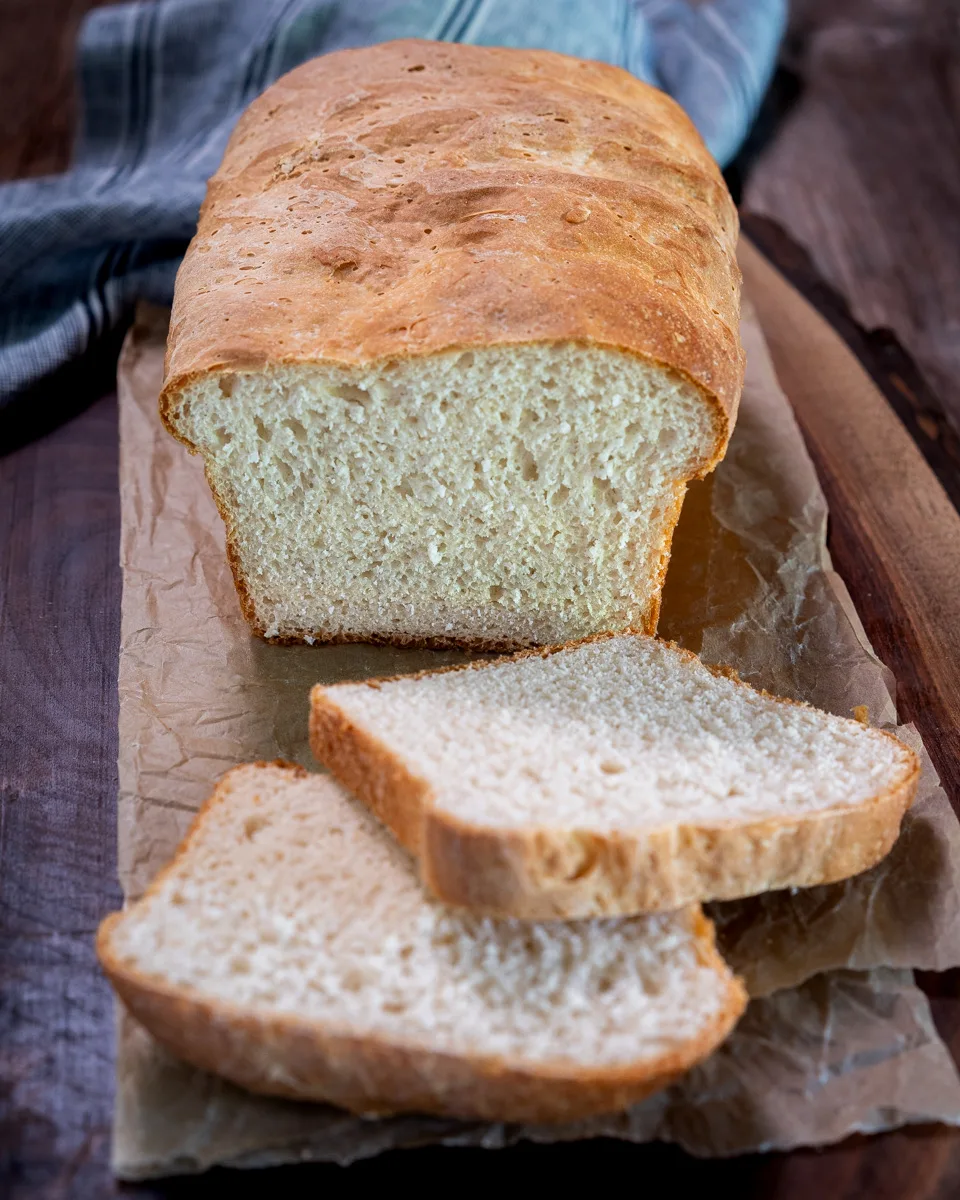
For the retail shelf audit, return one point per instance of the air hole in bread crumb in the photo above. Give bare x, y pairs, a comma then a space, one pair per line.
263, 433
610, 766
465, 360
297, 428
253, 825
529, 470
226, 385
351, 393
604, 490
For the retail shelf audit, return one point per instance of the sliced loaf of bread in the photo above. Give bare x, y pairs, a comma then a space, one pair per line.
458, 327
290, 948
615, 775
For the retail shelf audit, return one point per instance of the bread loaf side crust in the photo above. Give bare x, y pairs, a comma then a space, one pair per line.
299, 1059
382, 203
542, 873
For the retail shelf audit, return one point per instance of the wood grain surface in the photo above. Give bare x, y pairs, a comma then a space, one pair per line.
880, 352
37, 116
864, 174
59, 639
893, 529
865, 171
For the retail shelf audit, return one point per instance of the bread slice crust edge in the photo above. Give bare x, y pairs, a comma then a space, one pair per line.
283, 1055
544, 873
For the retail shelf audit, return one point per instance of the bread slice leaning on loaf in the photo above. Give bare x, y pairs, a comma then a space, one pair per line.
615, 775
290, 948
458, 326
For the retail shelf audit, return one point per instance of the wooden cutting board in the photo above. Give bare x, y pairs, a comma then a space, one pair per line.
894, 533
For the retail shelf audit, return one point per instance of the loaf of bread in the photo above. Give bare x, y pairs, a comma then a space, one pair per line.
618, 775
290, 948
458, 326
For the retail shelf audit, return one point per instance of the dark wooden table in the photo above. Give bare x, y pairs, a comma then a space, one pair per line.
856, 159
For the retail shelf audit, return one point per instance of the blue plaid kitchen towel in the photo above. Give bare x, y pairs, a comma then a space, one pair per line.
161, 85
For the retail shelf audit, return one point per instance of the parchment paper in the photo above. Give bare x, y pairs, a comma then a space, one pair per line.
817, 1056
847, 1052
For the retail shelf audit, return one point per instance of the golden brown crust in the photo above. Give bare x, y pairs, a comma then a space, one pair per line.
285, 1056
545, 873
541, 874
414, 197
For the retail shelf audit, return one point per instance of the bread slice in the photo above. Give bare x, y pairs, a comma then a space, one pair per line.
290, 948
617, 775
458, 326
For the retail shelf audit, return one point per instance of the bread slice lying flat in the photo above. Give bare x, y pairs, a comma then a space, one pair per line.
291, 948
615, 775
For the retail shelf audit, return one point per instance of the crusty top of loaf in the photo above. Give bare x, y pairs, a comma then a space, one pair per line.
413, 197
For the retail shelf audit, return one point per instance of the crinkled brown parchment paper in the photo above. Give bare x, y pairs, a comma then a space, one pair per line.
838, 1039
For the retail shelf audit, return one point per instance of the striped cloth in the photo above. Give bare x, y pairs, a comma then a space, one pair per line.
161, 85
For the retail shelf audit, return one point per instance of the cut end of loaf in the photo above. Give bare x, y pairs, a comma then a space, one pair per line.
494, 497
616, 775
290, 948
